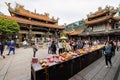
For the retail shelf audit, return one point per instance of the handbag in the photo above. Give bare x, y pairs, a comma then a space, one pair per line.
36, 49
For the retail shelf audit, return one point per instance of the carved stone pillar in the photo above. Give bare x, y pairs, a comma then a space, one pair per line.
30, 35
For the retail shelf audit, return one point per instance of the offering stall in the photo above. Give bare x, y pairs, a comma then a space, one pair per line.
64, 66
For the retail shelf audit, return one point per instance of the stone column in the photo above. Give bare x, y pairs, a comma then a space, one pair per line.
30, 35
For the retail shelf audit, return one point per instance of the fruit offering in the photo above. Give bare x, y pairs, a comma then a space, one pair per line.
52, 59
43, 63
82, 51
77, 52
72, 53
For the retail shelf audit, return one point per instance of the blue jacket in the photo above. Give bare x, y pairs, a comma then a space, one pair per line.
108, 49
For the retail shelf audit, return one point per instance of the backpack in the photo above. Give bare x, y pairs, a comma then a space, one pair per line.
108, 49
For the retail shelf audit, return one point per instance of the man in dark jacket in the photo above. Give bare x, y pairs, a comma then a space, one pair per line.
1, 49
53, 47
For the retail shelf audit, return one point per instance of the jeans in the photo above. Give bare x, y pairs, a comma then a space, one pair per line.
108, 59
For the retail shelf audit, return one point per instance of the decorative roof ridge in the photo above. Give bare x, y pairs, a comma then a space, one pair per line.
76, 32
72, 31
101, 11
94, 15
96, 12
100, 18
45, 15
19, 7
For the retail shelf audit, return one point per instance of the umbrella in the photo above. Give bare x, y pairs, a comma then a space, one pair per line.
63, 37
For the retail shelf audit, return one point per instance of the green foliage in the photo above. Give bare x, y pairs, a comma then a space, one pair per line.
8, 26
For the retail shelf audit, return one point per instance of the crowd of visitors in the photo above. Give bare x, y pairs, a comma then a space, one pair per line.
65, 46
72, 45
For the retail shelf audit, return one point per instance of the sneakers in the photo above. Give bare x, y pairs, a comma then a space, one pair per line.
109, 66
106, 66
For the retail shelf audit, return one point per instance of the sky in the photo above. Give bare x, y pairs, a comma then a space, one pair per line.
68, 11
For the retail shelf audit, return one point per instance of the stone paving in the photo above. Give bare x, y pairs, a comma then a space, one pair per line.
18, 66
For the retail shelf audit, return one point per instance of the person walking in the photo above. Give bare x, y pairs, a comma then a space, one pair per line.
2, 49
68, 47
11, 47
35, 49
49, 47
118, 46
60, 46
53, 47
108, 53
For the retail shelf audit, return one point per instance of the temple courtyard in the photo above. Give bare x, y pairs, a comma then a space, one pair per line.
18, 66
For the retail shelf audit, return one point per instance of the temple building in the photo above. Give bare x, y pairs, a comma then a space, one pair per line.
103, 24
32, 24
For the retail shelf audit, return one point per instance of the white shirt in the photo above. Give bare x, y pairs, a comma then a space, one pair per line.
60, 45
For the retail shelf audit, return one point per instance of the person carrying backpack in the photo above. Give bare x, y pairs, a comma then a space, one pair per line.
108, 53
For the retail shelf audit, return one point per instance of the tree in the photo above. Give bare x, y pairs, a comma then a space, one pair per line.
8, 27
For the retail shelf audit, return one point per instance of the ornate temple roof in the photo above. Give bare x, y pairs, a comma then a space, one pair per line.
24, 21
102, 19
19, 10
97, 13
77, 32
101, 15
74, 32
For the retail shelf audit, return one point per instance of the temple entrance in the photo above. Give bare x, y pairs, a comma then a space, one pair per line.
38, 37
